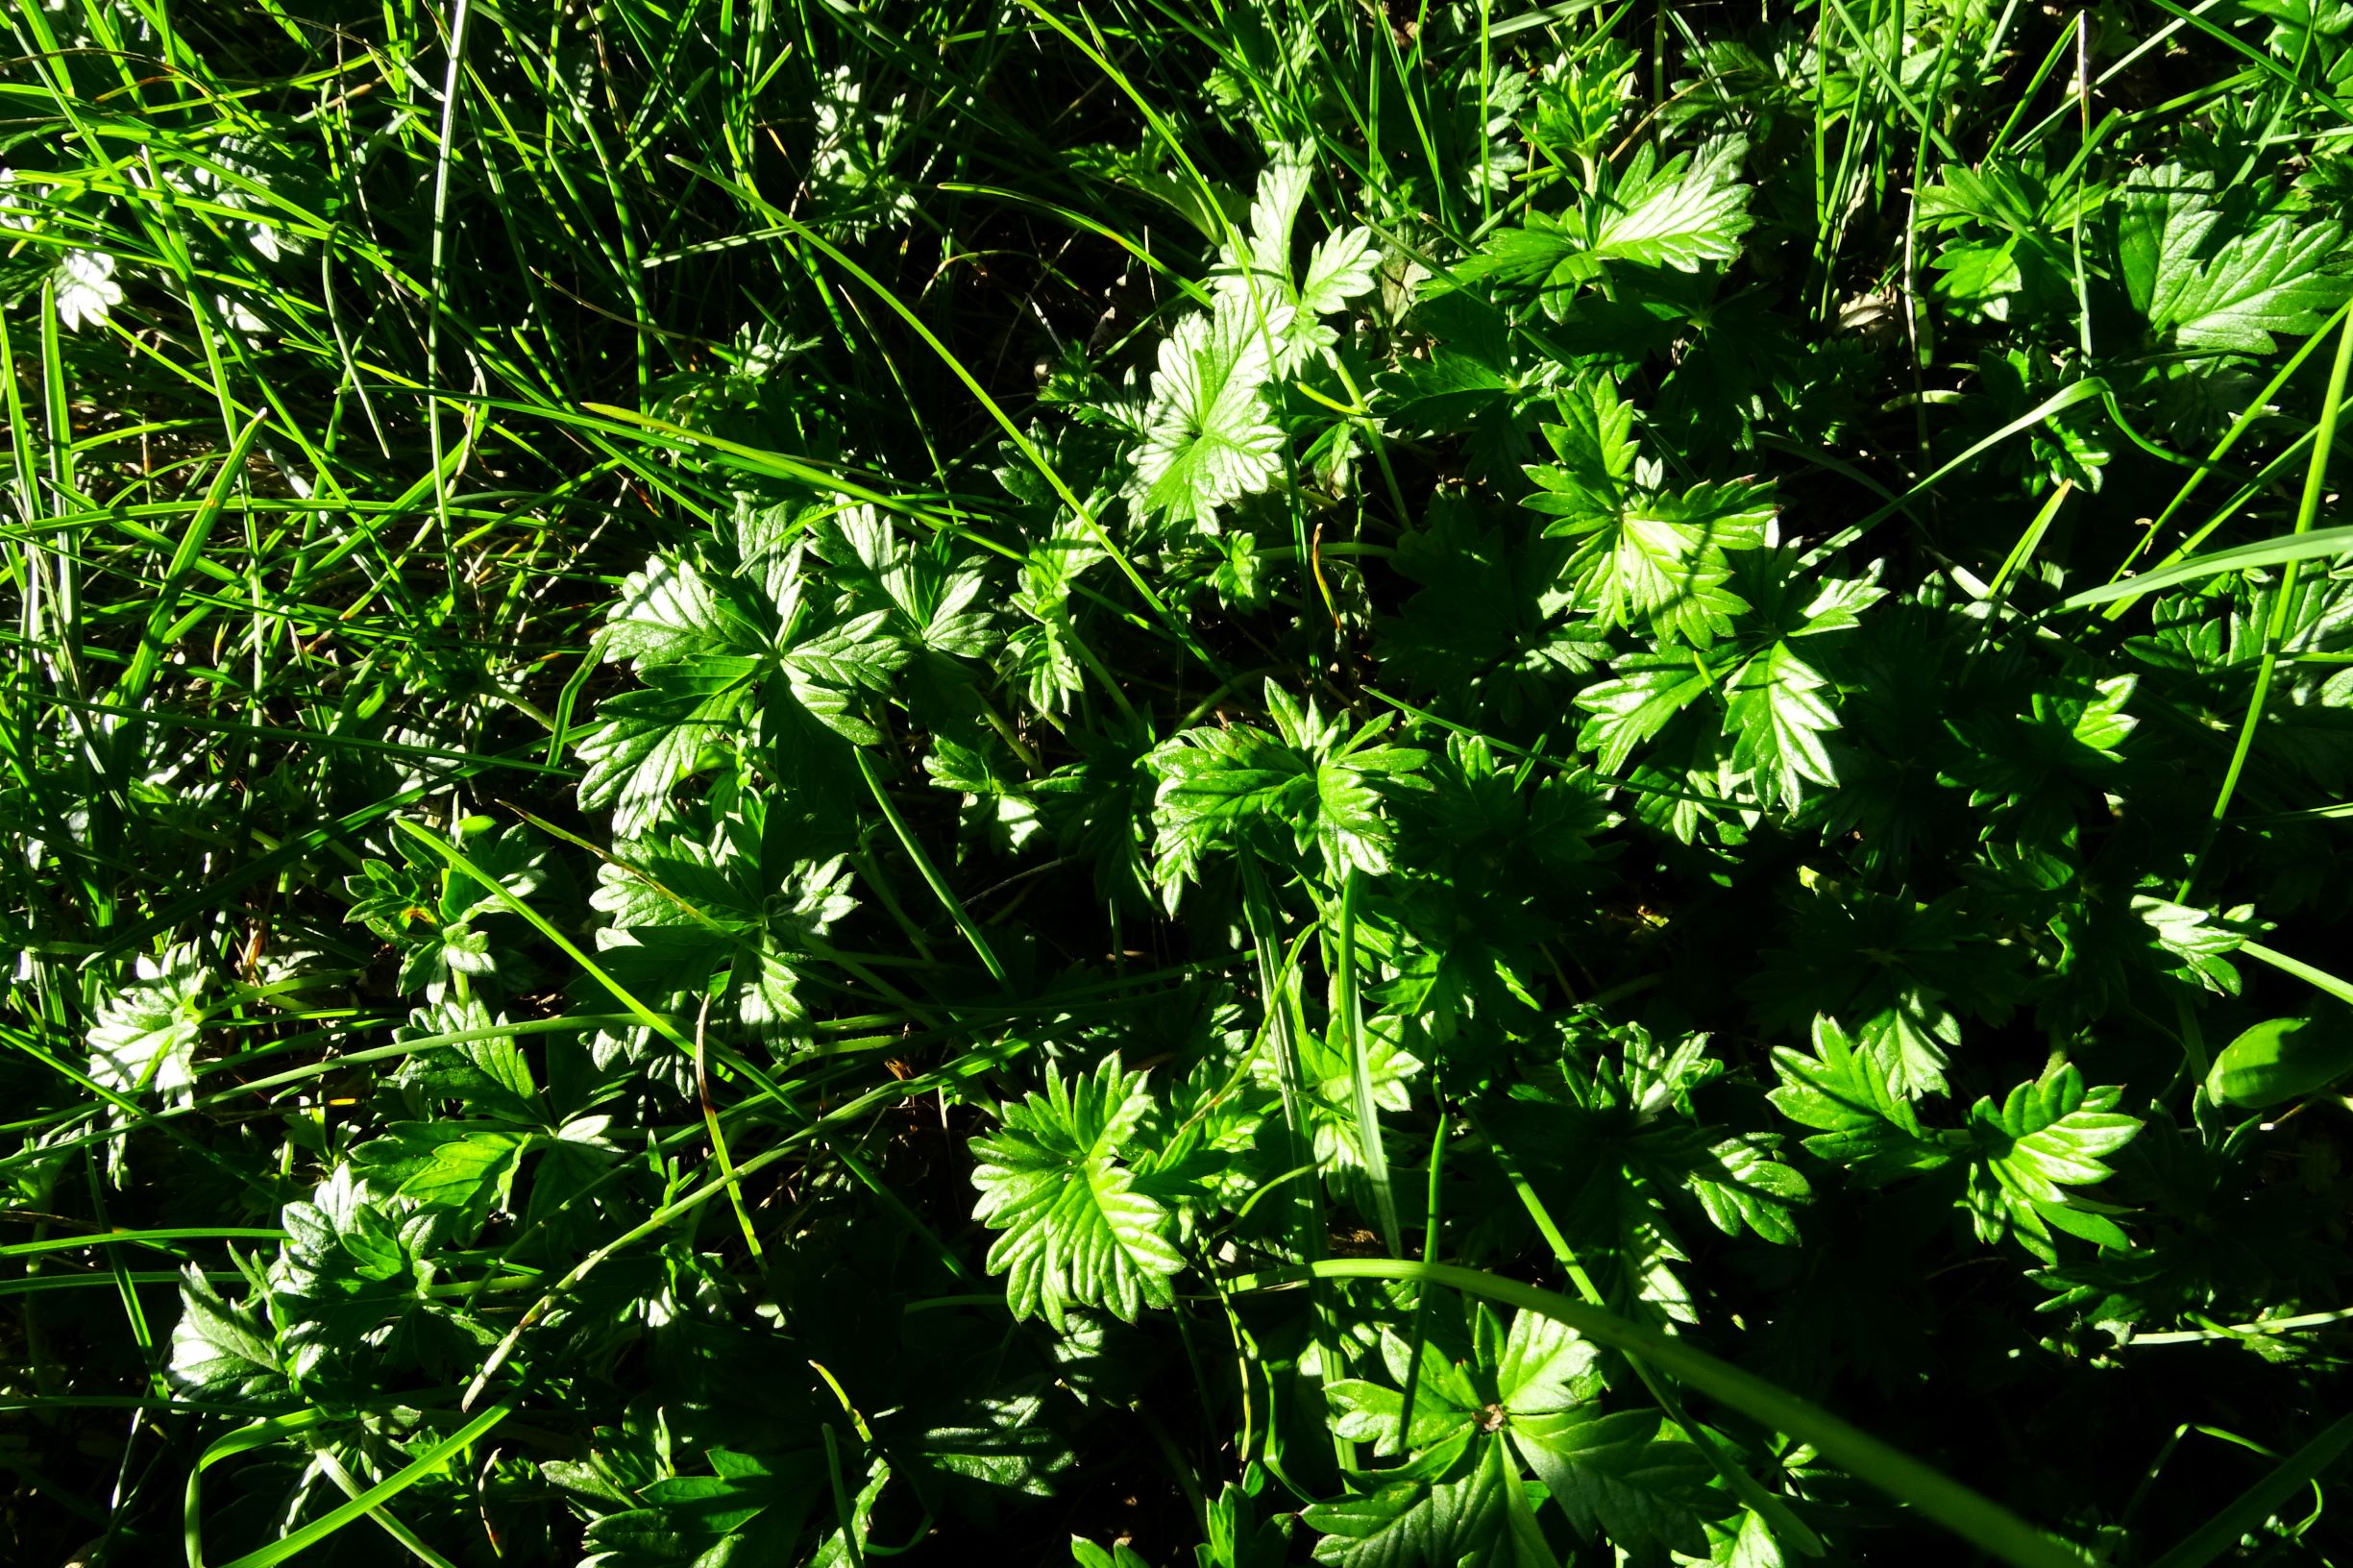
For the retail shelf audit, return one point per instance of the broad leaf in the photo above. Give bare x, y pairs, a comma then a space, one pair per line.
1867, 1122
1680, 214
1077, 1233
143, 1039
1208, 438
2229, 294
1776, 716
1615, 1476
1479, 1521
2047, 1139
1642, 696
1640, 553
221, 1352
1315, 784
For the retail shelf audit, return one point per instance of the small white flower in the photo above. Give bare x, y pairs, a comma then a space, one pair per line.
85, 288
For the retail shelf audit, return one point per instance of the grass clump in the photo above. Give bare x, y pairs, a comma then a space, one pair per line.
1464, 783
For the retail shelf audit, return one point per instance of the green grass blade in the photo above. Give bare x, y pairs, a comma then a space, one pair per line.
1350, 1020
1967, 1512
2316, 543
428, 1463
972, 933
2315, 479
2302, 1468
2065, 397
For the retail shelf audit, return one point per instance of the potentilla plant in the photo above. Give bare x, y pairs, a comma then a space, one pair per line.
1469, 785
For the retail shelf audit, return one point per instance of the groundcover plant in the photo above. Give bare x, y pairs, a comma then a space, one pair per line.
1149, 782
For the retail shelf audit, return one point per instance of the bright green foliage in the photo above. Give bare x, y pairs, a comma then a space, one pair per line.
1578, 101
862, 773
2279, 1059
1077, 1232
1314, 784
1619, 1151
1087, 1555
143, 1039
2202, 281
1865, 1124
679, 905
1642, 555
219, 1351
1259, 275
1682, 213
1480, 1520
1776, 716
440, 918
1778, 705
717, 655
1209, 440
1524, 1401
2046, 1138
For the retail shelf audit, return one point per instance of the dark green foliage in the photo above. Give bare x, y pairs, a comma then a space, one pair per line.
760, 758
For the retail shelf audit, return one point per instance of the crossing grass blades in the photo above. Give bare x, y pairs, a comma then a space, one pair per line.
1227, 784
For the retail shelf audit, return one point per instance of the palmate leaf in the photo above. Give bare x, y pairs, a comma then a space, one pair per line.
2198, 940
143, 1039
1077, 1232
930, 600
1525, 1398
1001, 1440
1042, 652
681, 904
1265, 254
1739, 1183
751, 1510
1475, 382
1244, 1533
1677, 215
2232, 294
1258, 272
1209, 439
1662, 559
1338, 269
1328, 1067
1641, 553
1682, 214
1777, 708
489, 1076
2045, 770
647, 741
1481, 1521
1449, 1401
1615, 1476
1313, 783
715, 650
1619, 1133
1217, 786
447, 1165
1643, 694
1776, 716
1539, 1365
2046, 1138
1866, 1122
222, 1352
670, 612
